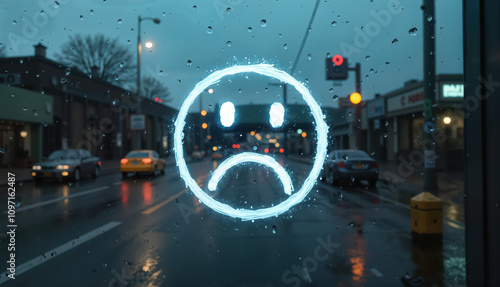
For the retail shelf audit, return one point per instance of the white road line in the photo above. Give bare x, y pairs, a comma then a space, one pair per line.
27, 207
60, 250
117, 183
376, 272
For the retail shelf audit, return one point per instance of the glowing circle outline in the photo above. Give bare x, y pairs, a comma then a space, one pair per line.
295, 198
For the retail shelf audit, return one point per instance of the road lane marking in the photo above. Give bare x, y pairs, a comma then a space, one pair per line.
27, 207
376, 272
46, 256
159, 205
118, 183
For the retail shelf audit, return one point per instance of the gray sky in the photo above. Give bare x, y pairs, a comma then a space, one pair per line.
182, 36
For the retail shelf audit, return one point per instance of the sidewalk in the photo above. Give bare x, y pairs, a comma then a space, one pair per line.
107, 167
402, 180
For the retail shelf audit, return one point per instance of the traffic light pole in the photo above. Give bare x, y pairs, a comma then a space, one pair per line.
357, 107
429, 146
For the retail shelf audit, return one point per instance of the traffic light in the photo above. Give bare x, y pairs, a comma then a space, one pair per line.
355, 98
336, 68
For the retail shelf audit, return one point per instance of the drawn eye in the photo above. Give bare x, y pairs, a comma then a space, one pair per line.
276, 115
227, 114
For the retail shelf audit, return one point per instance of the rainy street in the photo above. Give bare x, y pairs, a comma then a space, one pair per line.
144, 231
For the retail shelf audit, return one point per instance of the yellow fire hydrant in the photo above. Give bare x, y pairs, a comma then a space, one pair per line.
426, 214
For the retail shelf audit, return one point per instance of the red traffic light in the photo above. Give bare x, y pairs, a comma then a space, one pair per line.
337, 60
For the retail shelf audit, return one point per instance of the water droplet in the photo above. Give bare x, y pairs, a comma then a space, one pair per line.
275, 229
367, 57
249, 29
413, 31
385, 135
429, 18
331, 90
35, 112
67, 71
373, 221
63, 80
229, 43
25, 109
189, 62
91, 12
372, 70
228, 10
334, 23
14, 22
42, 12
309, 57
209, 30
2, 150
160, 72
81, 17
387, 63
335, 97
285, 46
395, 41
120, 21
44, 124
263, 23
56, 4
328, 55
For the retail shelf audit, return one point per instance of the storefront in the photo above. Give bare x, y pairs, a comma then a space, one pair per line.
405, 124
376, 128
24, 115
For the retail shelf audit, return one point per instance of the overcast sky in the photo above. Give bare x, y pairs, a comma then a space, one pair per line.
182, 36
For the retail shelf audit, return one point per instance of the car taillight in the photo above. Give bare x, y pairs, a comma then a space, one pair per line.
146, 160
341, 164
124, 161
99, 163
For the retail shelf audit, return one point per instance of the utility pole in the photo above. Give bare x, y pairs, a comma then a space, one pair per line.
429, 146
357, 107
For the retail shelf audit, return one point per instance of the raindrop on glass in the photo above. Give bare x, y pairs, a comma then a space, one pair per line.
229, 43
413, 31
309, 57
25, 109
367, 57
209, 30
14, 22
42, 12
195, 8
334, 23
275, 229
91, 12
56, 4
345, 157
335, 97
81, 17
395, 41
67, 71
249, 29
285, 46
228, 10
189, 62
429, 18
120, 21
35, 112
331, 90
263, 23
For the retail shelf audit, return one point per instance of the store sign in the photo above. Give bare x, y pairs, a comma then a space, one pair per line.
406, 100
137, 122
10, 79
376, 108
453, 91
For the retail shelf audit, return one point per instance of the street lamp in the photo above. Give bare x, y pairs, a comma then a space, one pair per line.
149, 45
139, 49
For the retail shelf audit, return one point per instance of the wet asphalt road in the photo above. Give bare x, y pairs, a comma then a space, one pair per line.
145, 231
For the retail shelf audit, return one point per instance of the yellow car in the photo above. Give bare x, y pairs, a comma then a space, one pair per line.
142, 161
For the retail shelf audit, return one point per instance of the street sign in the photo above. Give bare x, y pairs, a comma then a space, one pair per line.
345, 102
336, 68
138, 122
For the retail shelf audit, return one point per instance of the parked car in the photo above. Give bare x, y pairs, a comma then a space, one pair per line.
348, 165
67, 164
142, 161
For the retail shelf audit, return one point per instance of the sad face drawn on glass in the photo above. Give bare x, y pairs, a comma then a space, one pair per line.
276, 114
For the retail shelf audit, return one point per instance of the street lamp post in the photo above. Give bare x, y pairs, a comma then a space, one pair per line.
139, 50
285, 131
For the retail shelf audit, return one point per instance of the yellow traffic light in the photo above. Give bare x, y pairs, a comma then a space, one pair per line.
304, 134
204, 126
252, 133
203, 112
355, 98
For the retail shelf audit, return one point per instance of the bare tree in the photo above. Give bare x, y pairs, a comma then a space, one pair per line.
112, 61
3, 52
152, 88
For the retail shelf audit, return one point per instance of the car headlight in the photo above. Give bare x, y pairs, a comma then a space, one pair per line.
37, 167
65, 166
